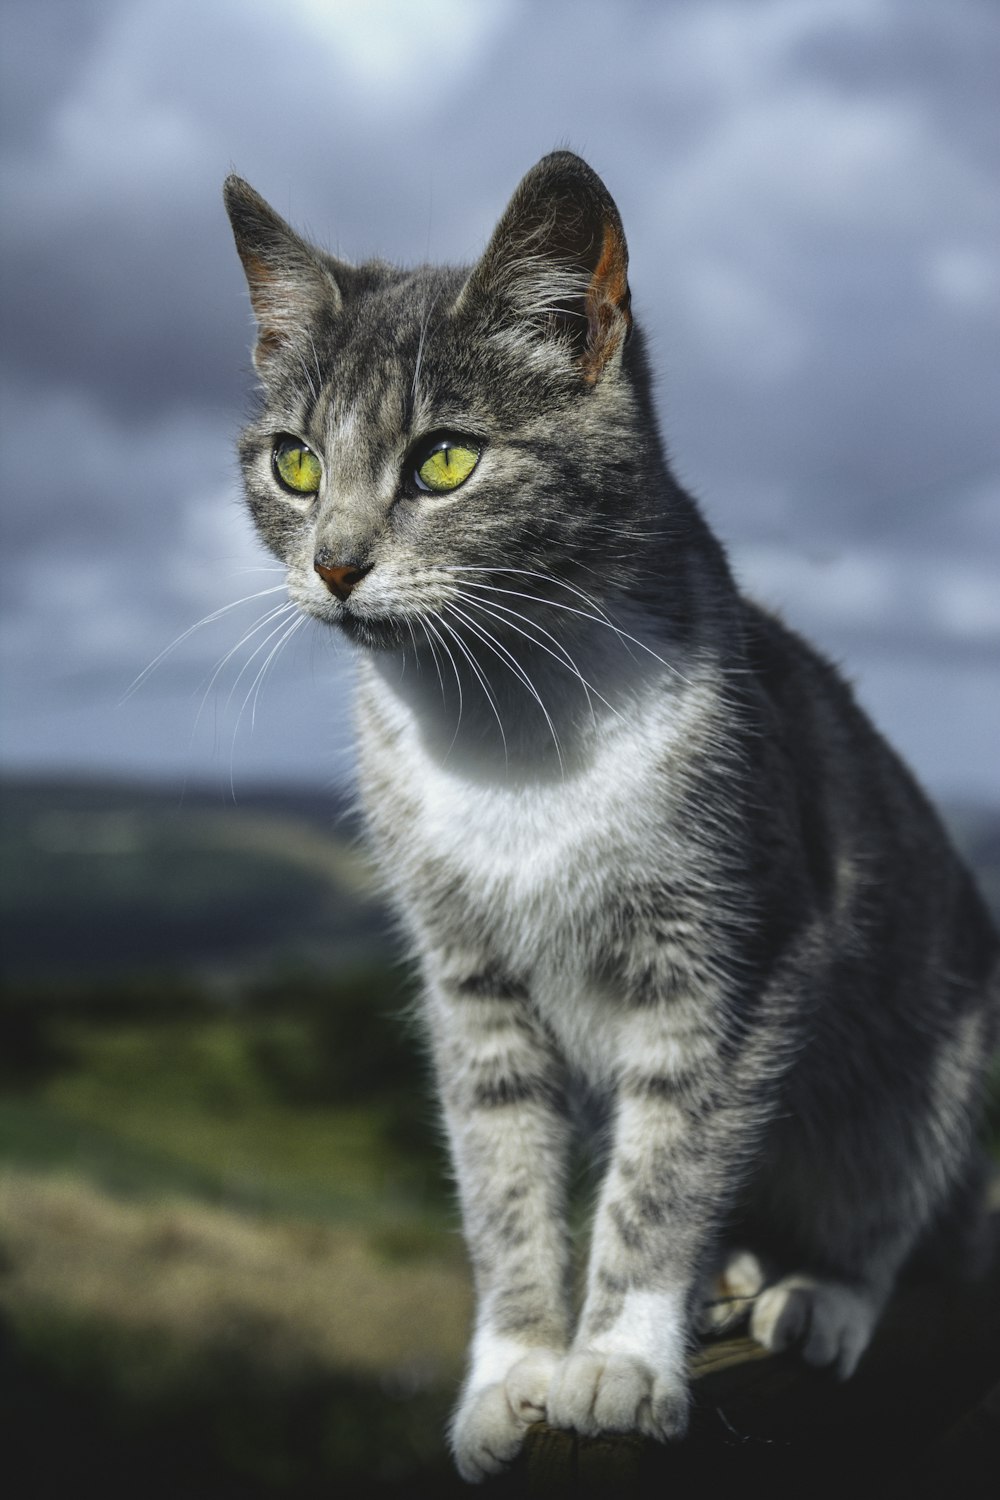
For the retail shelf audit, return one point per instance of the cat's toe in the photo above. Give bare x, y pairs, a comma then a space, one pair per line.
731, 1293
593, 1393
527, 1385
780, 1316
486, 1434
831, 1323
840, 1329
623, 1392
489, 1426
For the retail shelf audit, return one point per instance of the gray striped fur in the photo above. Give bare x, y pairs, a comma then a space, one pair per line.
668, 888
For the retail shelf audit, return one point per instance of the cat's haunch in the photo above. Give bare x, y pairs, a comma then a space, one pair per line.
669, 890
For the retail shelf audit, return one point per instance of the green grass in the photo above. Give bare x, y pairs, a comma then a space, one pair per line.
40, 1136
224, 1109
228, 1258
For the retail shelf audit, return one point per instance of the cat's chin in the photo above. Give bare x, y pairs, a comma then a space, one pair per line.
374, 634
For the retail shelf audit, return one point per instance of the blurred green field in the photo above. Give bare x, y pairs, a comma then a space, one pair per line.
213, 1213
229, 1257
228, 1110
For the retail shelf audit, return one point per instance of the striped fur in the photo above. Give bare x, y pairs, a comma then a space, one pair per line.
669, 890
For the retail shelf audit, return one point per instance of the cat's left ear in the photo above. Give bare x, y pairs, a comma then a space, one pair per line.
291, 283
558, 260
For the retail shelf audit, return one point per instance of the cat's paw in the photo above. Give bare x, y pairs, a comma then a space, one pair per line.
489, 1426
593, 1393
731, 1293
831, 1322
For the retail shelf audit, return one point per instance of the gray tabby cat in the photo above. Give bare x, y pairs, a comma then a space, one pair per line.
669, 889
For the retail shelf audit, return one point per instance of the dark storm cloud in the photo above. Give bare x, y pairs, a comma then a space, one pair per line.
42, 47
121, 275
809, 194
949, 72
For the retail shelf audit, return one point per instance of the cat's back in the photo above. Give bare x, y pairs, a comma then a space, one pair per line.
877, 854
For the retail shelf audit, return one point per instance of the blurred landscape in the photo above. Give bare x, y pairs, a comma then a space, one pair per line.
228, 1256
229, 1259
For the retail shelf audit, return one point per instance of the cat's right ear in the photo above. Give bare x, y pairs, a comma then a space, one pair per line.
557, 263
290, 283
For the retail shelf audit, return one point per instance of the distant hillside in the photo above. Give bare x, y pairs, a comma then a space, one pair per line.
106, 877
113, 877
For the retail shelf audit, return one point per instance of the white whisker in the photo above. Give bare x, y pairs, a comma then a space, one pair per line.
434, 656
305, 371
561, 655
208, 619
413, 638
319, 372
597, 619
280, 615
510, 661
425, 324
477, 672
544, 577
255, 687
272, 614
427, 628
258, 681
279, 612
428, 625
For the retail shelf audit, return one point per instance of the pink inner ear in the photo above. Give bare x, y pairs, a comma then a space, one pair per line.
609, 318
258, 275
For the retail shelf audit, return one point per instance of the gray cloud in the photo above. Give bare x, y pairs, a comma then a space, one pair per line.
809, 193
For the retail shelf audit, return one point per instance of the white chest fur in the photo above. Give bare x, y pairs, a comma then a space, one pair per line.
543, 857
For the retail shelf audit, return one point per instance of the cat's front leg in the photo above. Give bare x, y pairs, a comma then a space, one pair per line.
501, 1086
627, 1369
660, 1201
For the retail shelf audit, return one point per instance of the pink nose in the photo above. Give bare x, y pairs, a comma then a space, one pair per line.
339, 580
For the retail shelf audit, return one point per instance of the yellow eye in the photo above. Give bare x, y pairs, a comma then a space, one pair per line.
446, 466
296, 467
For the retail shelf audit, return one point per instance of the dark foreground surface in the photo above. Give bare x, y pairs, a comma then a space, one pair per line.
920, 1418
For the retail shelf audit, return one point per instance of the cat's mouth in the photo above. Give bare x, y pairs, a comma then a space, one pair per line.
377, 633
364, 626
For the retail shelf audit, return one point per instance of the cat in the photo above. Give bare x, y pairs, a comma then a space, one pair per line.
671, 893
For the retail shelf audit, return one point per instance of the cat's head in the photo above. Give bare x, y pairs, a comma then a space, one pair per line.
423, 432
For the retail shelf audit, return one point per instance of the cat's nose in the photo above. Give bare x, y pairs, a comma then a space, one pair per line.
339, 578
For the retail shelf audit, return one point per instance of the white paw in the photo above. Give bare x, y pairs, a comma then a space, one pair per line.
732, 1292
489, 1426
832, 1323
593, 1392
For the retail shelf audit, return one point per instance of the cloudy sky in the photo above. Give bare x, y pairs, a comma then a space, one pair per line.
810, 191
